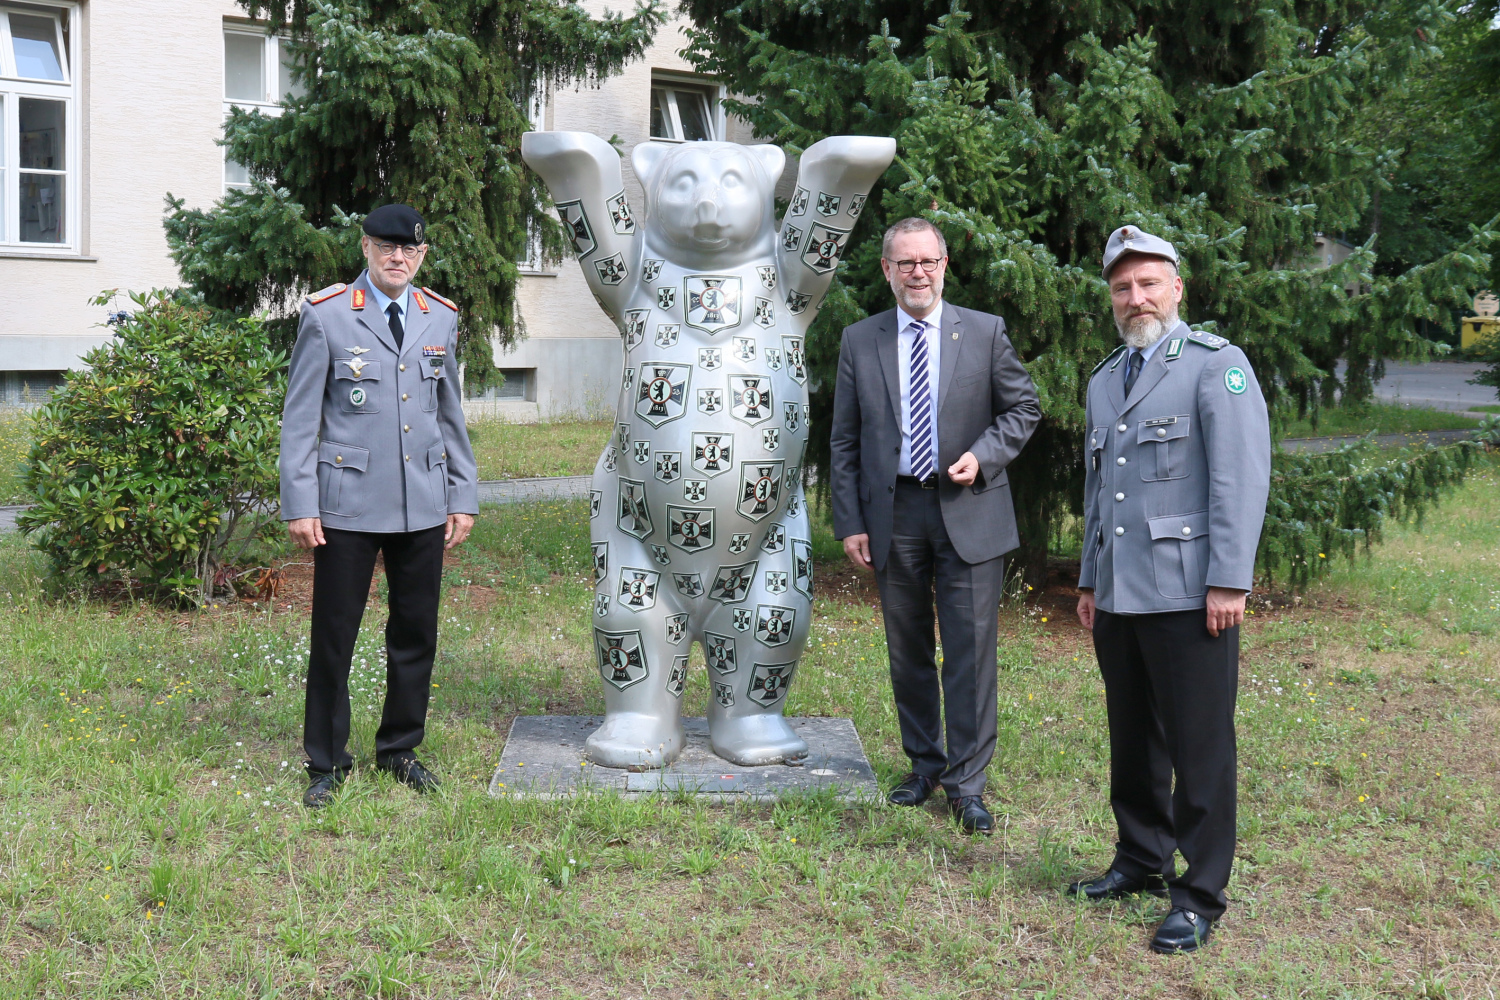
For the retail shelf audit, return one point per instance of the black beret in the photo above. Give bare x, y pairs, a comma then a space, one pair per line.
399, 223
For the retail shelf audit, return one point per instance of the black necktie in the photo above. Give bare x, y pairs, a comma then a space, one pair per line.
1132, 367
394, 312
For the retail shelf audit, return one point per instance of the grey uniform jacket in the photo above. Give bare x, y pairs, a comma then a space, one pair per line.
373, 439
986, 404
1177, 478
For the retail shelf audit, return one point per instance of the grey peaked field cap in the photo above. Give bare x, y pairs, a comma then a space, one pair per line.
1133, 239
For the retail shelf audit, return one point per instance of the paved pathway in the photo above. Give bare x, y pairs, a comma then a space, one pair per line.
1435, 385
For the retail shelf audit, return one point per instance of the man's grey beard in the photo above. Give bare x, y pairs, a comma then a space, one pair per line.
1143, 331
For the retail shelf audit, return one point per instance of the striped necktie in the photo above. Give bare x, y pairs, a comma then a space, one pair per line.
923, 461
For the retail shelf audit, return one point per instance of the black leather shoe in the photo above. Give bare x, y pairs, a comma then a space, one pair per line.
971, 814
1113, 885
320, 789
913, 790
409, 771
1183, 930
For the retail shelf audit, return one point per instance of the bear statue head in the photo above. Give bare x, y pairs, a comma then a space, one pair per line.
709, 204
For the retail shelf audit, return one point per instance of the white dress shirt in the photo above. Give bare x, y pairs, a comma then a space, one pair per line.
905, 337
383, 302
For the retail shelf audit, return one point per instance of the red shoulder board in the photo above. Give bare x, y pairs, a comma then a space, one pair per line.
357, 299
439, 298
421, 302
327, 293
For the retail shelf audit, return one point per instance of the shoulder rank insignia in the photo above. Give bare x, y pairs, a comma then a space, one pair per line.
357, 299
421, 302
1111, 356
1174, 348
438, 298
1209, 340
327, 293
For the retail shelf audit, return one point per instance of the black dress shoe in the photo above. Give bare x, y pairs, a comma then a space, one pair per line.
1113, 885
320, 789
1183, 930
409, 771
913, 790
971, 814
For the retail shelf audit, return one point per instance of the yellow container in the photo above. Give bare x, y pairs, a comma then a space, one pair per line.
1478, 328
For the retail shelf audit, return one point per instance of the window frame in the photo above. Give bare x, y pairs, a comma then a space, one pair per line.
14, 89
272, 95
671, 83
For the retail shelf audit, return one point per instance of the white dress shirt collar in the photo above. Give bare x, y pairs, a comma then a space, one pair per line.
934, 319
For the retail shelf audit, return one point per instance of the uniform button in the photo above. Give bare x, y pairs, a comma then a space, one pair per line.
406, 428
338, 459
445, 456
408, 458
1161, 432
890, 489
1119, 531
1119, 496
1120, 460
1186, 530
403, 367
1122, 428
403, 397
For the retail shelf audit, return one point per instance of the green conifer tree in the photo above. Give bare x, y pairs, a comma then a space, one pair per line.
1029, 131
422, 103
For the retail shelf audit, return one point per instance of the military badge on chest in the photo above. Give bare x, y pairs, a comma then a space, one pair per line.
663, 392
435, 355
714, 302
750, 398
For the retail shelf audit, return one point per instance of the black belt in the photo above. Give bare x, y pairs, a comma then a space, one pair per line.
930, 483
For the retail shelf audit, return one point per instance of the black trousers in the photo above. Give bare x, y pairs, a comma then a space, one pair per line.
922, 564
342, 569
1170, 689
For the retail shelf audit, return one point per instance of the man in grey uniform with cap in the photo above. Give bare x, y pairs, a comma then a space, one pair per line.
1179, 466
375, 459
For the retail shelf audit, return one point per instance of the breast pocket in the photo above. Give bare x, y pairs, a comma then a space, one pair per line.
437, 476
1098, 437
431, 379
1179, 554
357, 386
341, 473
1171, 436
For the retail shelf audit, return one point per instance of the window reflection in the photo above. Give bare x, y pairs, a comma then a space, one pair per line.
34, 44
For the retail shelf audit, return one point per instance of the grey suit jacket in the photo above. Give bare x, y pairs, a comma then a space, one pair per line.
1177, 479
374, 439
986, 404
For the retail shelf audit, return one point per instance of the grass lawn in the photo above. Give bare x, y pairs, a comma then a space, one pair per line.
1378, 418
15, 442
518, 451
154, 845
1485, 408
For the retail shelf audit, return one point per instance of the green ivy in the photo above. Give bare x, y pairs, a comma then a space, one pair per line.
155, 467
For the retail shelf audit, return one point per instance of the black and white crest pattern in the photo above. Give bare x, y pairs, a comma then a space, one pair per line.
802, 568
622, 658
723, 694
635, 327
767, 277
796, 302
576, 223
714, 302
760, 489
732, 583
638, 588
710, 401
668, 466
601, 561
666, 297
794, 505
710, 358
650, 270
713, 454
619, 215
601, 605
773, 358
775, 581
677, 676
609, 459
774, 624
635, 516
796, 360
612, 269
792, 480
718, 650
791, 236
824, 248
642, 452
750, 398
688, 584
739, 542
770, 438
690, 529
629, 379
742, 619
663, 392
666, 335
596, 500
743, 348
765, 313
660, 556
677, 628
791, 417
622, 435
798, 204
828, 204
775, 539
857, 205
769, 682
694, 490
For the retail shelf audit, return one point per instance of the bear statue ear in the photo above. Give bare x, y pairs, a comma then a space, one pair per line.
771, 159
645, 159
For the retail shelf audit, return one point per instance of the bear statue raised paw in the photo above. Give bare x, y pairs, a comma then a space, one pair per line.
699, 524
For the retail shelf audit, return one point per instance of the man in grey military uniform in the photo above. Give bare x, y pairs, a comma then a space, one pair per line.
1179, 466
375, 459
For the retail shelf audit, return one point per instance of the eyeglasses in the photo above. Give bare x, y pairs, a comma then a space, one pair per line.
929, 264
408, 251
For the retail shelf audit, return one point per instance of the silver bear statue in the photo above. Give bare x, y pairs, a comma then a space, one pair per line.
699, 523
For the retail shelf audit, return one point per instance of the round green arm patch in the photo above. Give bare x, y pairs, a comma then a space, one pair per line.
1235, 380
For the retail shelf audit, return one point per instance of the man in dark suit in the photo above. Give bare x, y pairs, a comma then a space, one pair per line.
932, 403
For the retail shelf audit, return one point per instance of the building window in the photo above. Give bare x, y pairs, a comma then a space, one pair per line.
29, 388
683, 111
519, 387
38, 144
257, 77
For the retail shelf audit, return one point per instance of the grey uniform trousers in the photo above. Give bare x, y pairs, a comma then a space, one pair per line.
922, 560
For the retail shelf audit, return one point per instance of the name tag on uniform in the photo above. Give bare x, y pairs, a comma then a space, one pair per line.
435, 355
1160, 422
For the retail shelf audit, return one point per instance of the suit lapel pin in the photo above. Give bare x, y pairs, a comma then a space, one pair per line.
955, 334
357, 351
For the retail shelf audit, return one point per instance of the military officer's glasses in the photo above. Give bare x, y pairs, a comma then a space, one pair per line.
928, 264
409, 251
